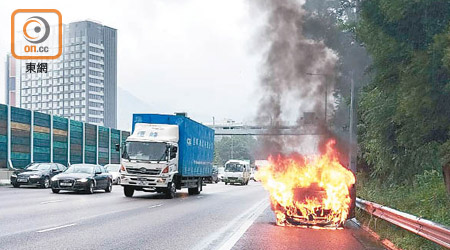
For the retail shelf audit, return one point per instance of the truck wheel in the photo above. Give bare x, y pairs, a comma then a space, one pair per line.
196, 190
171, 190
192, 191
128, 191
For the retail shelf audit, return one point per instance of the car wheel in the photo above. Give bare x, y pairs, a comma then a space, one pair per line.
46, 183
108, 188
226, 183
171, 190
128, 191
90, 189
55, 191
16, 185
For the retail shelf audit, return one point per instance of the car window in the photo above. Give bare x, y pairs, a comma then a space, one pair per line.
112, 168
55, 167
39, 166
81, 168
61, 167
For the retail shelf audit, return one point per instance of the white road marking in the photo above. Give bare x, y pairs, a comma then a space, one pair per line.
55, 228
243, 228
52, 201
227, 236
157, 205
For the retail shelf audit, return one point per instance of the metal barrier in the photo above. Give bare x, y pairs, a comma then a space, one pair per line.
435, 232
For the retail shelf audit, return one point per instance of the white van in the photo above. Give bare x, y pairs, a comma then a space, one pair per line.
237, 171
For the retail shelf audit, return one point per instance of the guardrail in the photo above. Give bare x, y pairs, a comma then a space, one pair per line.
435, 232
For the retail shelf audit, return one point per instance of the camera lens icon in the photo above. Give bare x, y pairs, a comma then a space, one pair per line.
36, 29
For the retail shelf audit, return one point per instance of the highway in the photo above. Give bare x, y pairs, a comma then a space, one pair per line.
221, 217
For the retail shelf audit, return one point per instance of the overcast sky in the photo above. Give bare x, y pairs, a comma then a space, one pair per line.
197, 56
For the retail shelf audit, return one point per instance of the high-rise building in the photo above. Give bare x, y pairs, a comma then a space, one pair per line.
82, 83
10, 80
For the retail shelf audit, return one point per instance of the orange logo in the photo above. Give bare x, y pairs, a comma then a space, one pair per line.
36, 34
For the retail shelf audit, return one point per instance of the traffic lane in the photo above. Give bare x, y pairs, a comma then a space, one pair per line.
265, 234
141, 224
23, 212
8, 192
29, 209
170, 224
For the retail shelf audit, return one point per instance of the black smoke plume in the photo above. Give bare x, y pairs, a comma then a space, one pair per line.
296, 74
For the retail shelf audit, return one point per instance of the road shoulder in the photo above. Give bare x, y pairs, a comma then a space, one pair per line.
264, 234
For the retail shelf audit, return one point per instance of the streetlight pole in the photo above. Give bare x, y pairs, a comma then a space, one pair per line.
326, 102
352, 158
232, 148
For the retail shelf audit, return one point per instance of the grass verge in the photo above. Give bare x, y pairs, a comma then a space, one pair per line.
425, 197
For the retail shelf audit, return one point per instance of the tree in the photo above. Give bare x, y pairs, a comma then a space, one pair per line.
237, 147
405, 110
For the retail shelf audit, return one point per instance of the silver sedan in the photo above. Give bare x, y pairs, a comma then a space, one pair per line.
113, 169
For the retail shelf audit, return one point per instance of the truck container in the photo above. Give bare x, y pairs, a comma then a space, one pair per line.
166, 153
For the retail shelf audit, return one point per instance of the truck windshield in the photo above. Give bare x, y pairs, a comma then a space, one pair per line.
146, 151
234, 167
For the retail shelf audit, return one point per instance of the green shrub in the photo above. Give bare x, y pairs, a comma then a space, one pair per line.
425, 197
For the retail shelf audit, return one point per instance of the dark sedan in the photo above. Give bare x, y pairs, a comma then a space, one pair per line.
83, 177
214, 176
36, 174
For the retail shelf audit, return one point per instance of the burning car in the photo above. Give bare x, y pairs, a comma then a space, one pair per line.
308, 190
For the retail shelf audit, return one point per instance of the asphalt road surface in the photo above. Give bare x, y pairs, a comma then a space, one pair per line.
221, 217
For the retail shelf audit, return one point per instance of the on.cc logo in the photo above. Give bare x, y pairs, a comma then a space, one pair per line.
39, 29
36, 34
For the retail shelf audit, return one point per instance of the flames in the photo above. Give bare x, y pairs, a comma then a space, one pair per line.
308, 190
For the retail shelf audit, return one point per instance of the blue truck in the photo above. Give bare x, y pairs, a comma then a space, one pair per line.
166, 153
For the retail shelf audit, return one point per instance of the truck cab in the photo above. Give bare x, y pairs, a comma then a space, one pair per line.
166, 153
237, 171
150, 159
